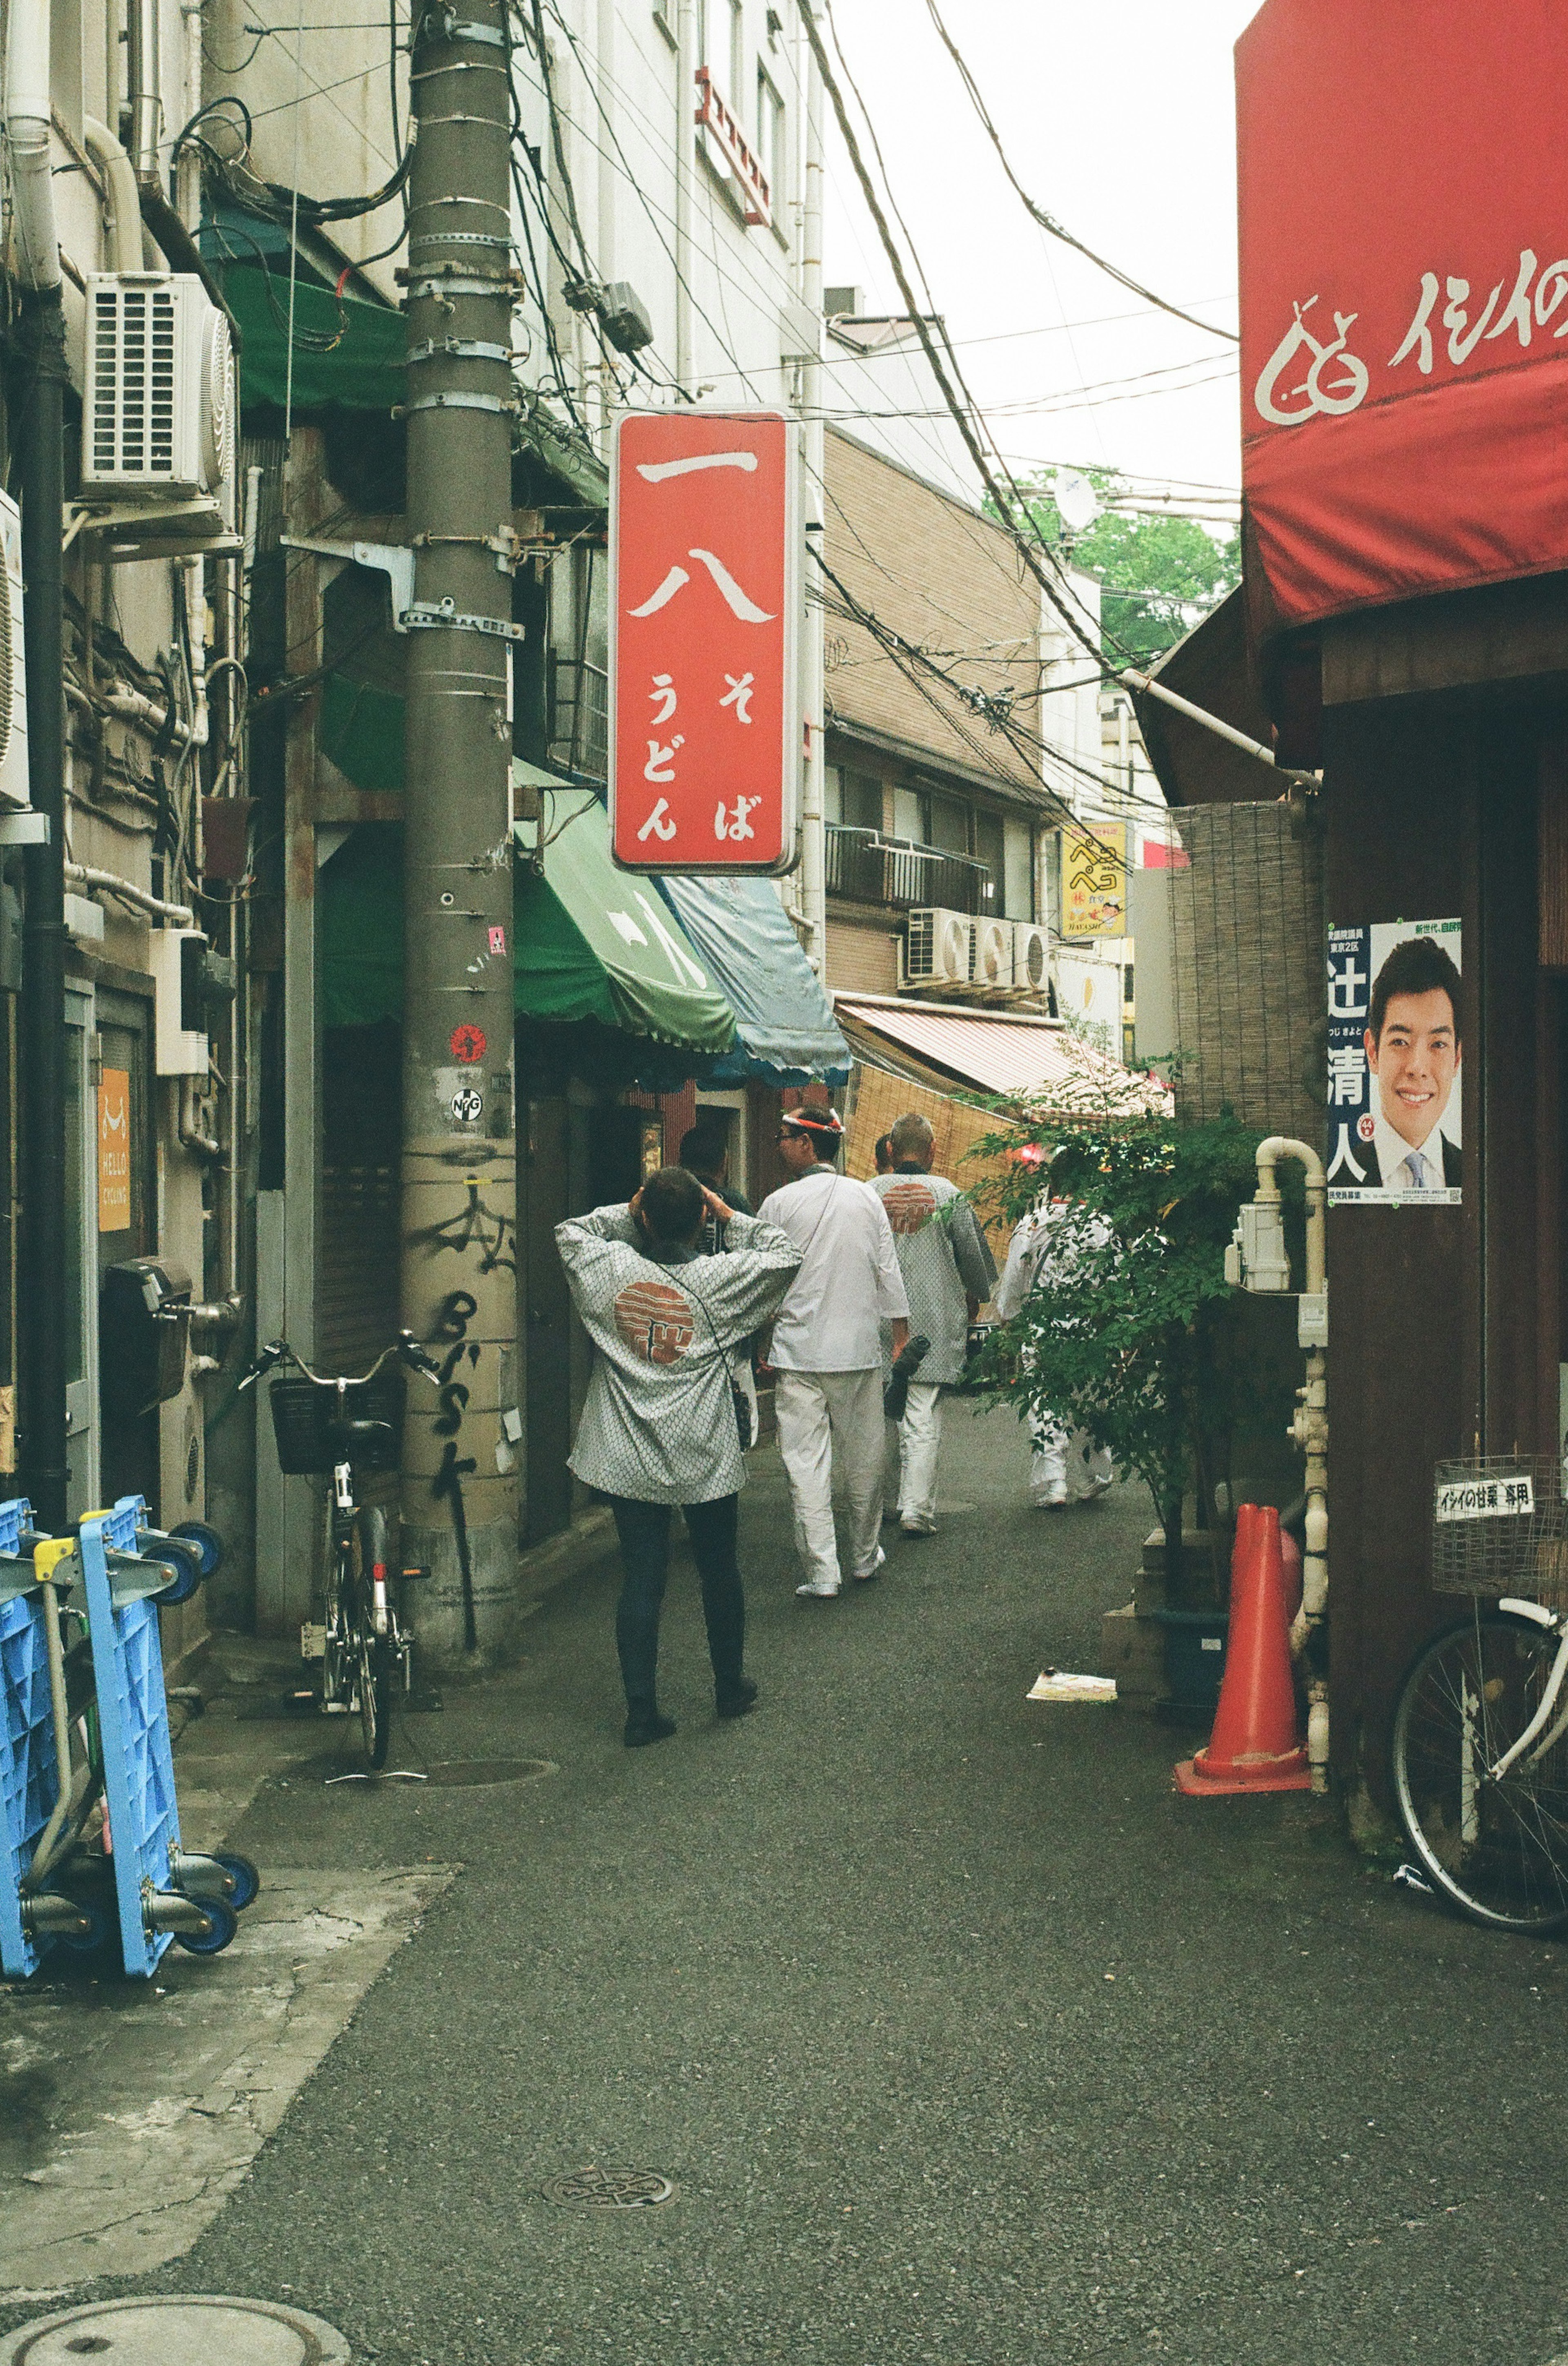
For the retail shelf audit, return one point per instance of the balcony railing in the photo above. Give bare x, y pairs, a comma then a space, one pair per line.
864, 867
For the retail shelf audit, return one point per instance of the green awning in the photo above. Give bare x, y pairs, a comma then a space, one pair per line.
363, 371
596, 943
589, 942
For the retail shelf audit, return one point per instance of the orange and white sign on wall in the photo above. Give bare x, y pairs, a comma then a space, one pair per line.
704, 708
114, 1151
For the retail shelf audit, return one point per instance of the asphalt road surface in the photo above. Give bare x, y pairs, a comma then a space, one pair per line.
960, 2035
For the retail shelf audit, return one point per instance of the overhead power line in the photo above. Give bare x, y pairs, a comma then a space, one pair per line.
1039, 567
1048, 221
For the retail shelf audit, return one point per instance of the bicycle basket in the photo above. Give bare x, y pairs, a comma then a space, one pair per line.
303, 1412
1498, 1526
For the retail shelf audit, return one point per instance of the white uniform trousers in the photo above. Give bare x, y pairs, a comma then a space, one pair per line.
920, 1436
1066, 1465
830, 1427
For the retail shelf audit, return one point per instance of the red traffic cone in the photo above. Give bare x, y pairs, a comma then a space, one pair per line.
1253, 1746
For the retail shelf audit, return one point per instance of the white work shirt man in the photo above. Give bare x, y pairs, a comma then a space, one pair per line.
827, 1351
948, 1274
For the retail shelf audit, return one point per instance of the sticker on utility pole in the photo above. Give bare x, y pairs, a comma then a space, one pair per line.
704, 704
467, 1105
468, 1044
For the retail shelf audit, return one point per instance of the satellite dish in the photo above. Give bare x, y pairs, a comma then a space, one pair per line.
1077, 502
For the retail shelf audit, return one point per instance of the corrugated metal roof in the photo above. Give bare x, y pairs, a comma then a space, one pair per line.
992, 1053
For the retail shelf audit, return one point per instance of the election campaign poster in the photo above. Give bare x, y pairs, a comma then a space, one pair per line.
1394, 1054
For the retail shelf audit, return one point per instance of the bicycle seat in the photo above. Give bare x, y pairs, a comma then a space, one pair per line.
347, 1435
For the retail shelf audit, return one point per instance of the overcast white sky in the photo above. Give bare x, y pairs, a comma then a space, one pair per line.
1119, 120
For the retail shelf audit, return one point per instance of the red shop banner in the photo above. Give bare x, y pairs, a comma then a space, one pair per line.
1403, 195
705, 707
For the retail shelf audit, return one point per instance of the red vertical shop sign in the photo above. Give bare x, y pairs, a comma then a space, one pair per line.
705, 707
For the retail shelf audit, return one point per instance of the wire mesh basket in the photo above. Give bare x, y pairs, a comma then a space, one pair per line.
304, 1412
1498, 1526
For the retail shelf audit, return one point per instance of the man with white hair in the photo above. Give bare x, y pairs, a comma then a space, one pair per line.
826, 1349
947, 1273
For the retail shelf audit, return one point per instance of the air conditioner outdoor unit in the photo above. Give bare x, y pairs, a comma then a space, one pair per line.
158, 414
1031, 957
14, 792
993, 953
938, 948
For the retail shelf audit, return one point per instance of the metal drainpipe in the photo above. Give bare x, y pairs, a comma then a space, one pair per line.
813, 834
144, 71
41, 1299
686, 64
1310, 1429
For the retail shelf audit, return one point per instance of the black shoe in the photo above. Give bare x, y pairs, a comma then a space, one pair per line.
738, 1701
643, 1728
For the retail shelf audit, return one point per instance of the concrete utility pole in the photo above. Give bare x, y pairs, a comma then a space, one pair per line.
460, 1485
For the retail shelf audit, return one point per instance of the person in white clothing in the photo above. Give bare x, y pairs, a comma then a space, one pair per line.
1068, 1464
947, 1272
827, 1353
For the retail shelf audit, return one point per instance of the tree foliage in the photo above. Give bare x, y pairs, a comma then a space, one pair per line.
1126, 1331
1158, 575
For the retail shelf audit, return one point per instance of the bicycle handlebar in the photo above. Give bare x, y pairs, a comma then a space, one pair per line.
406, 1347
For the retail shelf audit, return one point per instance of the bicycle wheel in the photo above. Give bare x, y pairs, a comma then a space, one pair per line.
1498, 1850
374, 1696
340, 1664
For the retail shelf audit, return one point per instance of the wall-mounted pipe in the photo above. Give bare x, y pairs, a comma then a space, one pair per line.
122, 246
37, 421
143, 77
108, 883
27, 137
1310, 1430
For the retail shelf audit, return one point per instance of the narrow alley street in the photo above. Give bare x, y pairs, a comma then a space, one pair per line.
959, 2034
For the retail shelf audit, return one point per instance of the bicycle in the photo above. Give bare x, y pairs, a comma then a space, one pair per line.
1481, 1764
345, 1426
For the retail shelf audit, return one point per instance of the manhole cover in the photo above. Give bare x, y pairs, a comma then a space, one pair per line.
192, 2331
612, 2188
475, 1773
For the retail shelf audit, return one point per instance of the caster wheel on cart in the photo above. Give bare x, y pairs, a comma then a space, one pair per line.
208, 1541
181, 1556
246, 1879
87, 1942
221, 1925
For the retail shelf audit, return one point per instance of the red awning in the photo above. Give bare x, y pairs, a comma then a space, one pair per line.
1403, 299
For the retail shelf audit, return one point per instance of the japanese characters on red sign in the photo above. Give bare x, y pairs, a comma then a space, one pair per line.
1403, 299
704, 711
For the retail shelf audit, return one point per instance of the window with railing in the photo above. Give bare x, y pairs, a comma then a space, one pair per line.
864, 867
579, 717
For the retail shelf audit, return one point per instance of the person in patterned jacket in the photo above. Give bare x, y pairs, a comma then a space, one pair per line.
658, 1425
947, 1273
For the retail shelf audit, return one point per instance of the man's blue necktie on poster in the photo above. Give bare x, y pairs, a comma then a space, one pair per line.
1416, 1167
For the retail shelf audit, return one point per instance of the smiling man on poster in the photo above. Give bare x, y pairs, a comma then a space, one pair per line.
1413, 1052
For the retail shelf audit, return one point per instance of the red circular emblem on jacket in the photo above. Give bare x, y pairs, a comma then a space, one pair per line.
909, 1205
655, 1321
469, 1045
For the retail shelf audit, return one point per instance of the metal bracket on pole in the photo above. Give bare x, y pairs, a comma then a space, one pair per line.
463, 349
461, 238
439, 25
457, 402
426, 615
393, 559
27, 827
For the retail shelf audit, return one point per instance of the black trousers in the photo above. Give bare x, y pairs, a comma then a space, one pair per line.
644, 1531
